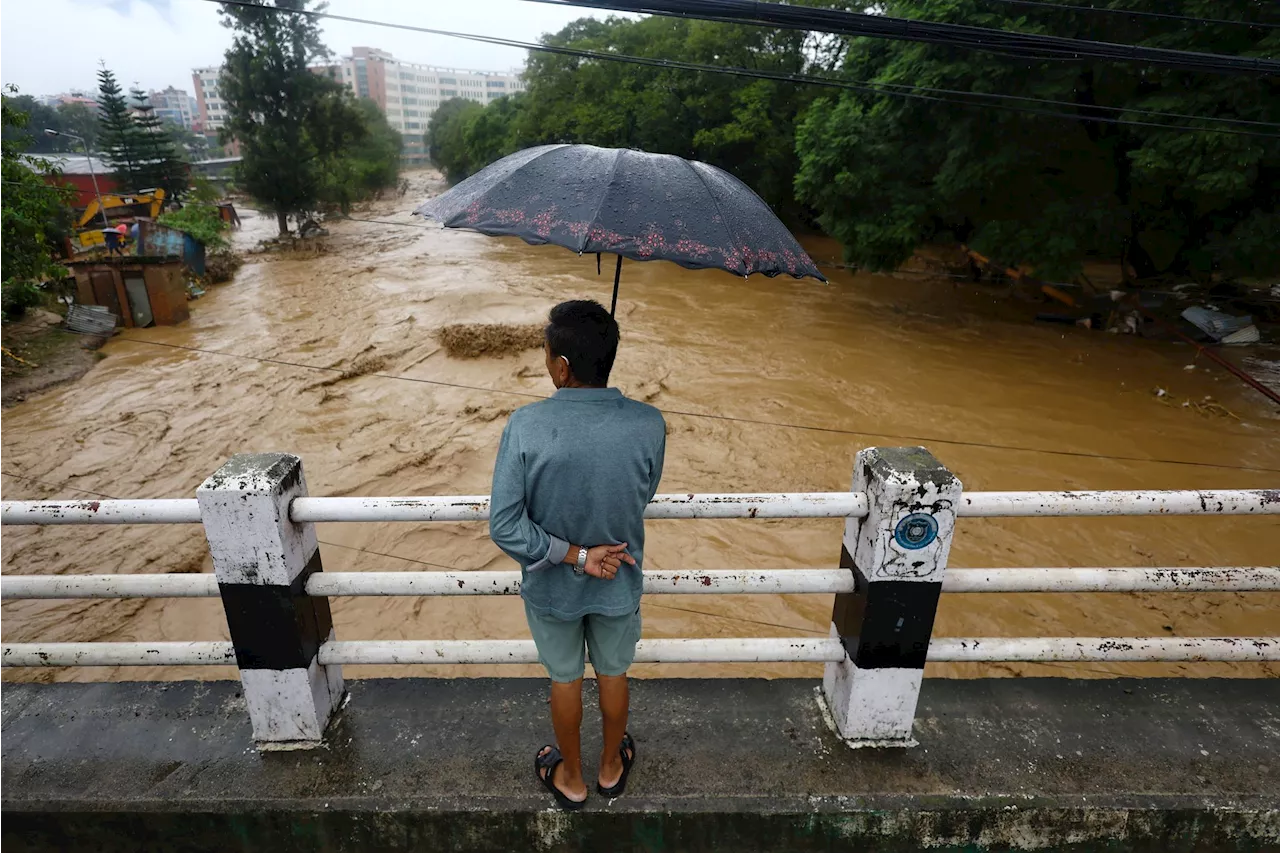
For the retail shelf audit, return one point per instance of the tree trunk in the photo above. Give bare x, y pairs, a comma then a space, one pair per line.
282, 219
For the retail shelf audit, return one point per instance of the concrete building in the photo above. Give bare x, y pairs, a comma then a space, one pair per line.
211, 111
75, 96
409, 92
406, 92
176, 106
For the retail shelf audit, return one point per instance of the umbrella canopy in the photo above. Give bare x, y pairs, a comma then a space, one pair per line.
648, 207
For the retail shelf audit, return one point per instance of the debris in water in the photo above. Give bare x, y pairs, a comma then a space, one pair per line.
474, 340
1215, 324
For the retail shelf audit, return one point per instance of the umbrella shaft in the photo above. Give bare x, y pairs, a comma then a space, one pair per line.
617, 276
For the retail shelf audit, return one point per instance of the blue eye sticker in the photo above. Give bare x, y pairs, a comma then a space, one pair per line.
916, 531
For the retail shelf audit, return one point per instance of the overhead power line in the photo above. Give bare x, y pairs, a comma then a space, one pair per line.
1136, 13
1021, 45
946, 96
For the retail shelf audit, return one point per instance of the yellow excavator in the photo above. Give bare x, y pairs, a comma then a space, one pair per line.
116, 206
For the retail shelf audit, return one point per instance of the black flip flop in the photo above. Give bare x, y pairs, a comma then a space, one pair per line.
549, 761
620, 786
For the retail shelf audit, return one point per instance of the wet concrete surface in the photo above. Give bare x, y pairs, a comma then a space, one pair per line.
1002, 764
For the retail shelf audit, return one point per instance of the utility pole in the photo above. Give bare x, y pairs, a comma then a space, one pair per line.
102, 209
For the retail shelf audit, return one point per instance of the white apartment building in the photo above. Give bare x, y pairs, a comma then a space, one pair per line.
211, 108
406, 92
409, 92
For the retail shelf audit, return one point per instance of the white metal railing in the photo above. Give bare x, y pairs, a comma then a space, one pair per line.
234, 503
711, 650
667, 506
697, 582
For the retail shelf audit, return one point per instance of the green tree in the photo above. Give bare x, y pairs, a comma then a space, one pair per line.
446, 138
361, 154
159, 165
886, 174
33, 213
195, 146
742, 125
79, 119
70, 117
119, 135
291, 123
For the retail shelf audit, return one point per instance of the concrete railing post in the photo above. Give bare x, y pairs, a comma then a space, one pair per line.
262, 561
897, 554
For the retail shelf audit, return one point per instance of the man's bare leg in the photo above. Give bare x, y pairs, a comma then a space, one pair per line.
566, 719
614, 704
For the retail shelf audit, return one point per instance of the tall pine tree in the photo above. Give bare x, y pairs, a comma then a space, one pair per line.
119, 137
159, 164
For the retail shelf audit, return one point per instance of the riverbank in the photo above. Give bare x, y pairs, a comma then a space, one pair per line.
767, 385
40, 355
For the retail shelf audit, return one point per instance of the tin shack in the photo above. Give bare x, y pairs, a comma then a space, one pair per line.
142, 290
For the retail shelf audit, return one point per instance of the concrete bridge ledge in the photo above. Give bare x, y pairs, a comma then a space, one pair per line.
727, 764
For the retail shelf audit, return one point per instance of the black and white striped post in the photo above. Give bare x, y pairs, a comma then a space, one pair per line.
262, 561
898, 554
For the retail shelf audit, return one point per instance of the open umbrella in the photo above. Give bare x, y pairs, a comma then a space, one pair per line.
633, 204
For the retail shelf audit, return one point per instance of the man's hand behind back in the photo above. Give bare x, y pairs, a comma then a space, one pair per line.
603, 561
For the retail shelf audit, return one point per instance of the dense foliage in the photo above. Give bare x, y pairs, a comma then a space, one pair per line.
370, 162
201, 221
885, 174
74, 118
305, 141
743, 125
33, 214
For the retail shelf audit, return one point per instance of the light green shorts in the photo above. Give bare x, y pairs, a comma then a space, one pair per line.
611, 640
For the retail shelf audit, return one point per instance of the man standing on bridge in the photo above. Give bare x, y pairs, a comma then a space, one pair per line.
579, 468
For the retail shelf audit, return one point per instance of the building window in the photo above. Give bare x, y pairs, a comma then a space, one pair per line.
449, 93
495, 84
411, 113
413, 125
452, 81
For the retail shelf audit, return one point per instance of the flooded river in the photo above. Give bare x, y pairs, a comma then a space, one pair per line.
769, 385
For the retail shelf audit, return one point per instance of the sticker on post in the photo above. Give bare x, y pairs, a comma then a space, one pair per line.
916, 531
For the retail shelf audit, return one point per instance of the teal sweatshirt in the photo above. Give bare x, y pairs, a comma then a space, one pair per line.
579, 467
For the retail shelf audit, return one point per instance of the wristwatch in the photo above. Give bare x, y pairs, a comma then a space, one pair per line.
580, 567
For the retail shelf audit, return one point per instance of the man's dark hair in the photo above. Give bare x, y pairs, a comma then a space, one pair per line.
587, 335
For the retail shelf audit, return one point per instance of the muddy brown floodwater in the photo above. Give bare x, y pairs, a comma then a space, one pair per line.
867, 360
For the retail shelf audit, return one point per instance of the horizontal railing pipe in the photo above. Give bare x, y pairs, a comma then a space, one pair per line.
168, 511
1203, 502
199, 585
118, 654
670, 506
1170, 579
689, 582
666, 506
716, 650
744, 581
713, 650
1103, 649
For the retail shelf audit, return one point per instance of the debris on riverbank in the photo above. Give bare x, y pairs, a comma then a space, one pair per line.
39, 355
221, 265
474, 340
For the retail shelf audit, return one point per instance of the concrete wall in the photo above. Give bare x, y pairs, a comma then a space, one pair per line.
1164, 765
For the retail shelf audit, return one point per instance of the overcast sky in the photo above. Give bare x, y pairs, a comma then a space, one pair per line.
51, 46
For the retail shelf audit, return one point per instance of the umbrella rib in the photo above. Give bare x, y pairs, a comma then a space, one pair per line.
724, 220
586, 235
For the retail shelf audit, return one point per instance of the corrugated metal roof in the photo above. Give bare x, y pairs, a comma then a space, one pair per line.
91, 320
